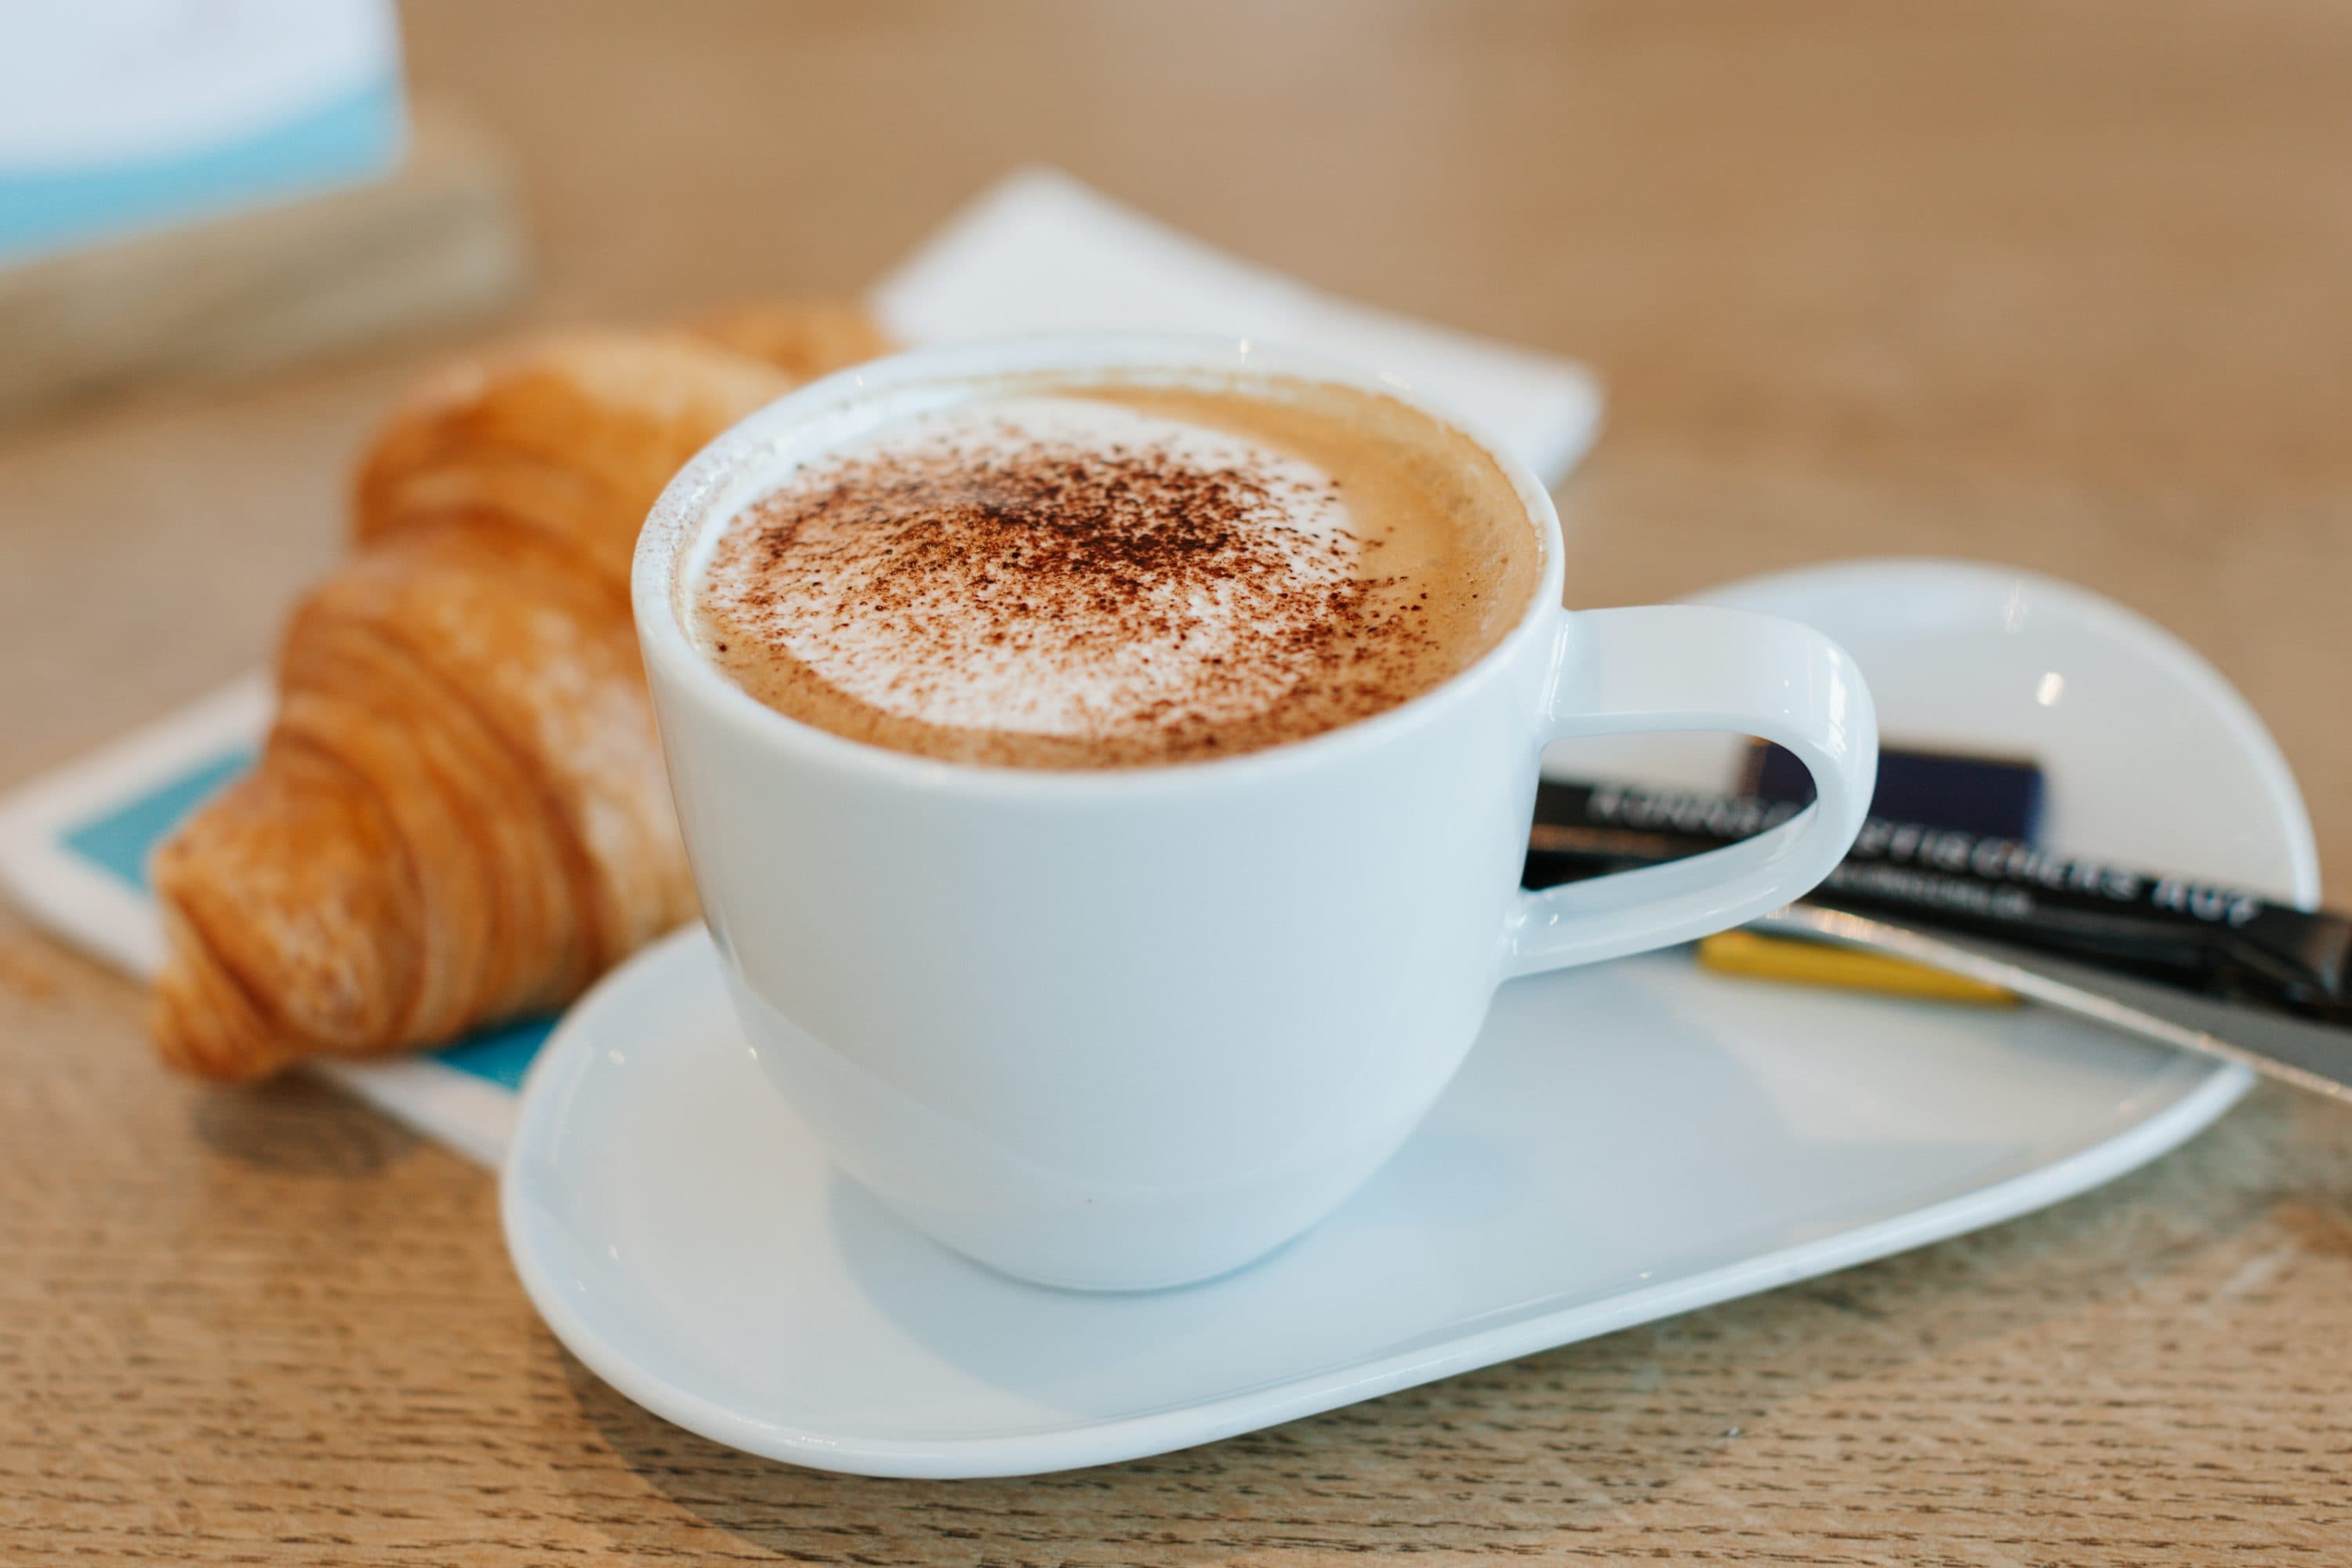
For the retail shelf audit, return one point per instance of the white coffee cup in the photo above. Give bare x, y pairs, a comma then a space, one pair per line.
1133, 1027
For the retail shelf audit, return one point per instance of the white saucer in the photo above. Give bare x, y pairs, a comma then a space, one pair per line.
1710, 1138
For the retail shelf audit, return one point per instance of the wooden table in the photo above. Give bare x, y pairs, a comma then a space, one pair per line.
2064, 286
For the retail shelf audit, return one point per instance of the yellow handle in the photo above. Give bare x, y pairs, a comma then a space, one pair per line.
1818, 963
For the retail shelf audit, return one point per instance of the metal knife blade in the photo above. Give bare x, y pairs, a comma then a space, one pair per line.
2310, 1055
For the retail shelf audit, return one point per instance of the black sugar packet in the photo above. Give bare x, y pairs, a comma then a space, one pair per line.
1993, 797
1972, 866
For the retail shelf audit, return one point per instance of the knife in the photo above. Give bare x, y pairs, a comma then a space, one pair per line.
2310, 1054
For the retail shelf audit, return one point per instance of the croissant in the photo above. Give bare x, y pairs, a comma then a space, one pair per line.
460, 813
807, 339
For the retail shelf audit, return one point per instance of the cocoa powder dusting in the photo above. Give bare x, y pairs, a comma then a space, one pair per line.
1162, 609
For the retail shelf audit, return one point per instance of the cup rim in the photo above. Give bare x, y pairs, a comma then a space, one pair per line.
683, 508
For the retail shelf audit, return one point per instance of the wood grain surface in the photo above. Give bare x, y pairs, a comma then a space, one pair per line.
2066, 285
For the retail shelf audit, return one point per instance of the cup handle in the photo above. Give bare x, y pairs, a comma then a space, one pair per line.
1688, 666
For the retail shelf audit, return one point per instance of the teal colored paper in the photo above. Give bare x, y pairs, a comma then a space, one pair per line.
120, 842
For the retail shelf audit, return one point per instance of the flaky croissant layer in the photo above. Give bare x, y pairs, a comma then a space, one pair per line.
460, 815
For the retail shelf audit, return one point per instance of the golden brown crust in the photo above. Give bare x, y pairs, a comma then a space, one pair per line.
803, 338
460, 815
572, 436
292, 925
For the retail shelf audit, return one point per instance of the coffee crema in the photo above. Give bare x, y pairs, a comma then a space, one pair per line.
1063, 574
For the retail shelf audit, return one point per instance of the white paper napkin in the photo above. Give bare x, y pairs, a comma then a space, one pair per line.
1041, 253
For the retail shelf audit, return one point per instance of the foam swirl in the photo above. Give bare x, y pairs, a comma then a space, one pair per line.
1051, 574
1049, 565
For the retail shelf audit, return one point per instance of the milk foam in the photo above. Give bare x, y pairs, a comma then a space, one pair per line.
1071, 573
944, 650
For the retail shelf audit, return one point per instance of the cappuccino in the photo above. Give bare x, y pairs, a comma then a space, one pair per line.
1071, 573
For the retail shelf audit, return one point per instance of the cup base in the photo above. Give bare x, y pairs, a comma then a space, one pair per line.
1047, 1227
